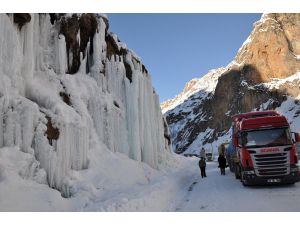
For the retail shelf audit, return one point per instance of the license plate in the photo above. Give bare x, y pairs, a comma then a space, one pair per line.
273, 180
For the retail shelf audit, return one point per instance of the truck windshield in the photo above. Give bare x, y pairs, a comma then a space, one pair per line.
267, 137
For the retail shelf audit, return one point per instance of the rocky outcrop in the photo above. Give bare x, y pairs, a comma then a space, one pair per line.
234, 95
79, 30
271, 52
272, 48
21, 19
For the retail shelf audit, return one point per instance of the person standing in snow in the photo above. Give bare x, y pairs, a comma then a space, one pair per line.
222, 164
202, 165
221, 149
202, 153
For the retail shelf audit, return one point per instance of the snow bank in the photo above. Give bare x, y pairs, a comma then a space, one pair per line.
23, 185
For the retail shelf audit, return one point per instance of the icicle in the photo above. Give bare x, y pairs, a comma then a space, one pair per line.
28, 52
61, 52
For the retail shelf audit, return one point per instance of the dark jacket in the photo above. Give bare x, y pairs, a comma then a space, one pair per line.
202, 163
222, 161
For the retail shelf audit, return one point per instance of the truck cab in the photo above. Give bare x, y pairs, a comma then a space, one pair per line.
265, 150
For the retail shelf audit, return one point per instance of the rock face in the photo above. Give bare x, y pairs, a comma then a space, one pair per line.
247, 84
78, 32
71, 92
272, 48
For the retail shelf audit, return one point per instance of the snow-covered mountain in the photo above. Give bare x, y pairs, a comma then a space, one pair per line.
205, 85
78, 112
264, 75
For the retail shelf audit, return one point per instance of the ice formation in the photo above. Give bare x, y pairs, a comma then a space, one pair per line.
58, 118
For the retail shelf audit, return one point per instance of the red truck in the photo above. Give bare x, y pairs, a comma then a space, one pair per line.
264, 149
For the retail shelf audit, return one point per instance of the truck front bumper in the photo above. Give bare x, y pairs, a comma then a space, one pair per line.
253, 179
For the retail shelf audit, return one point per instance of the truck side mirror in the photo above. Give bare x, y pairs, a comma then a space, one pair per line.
244, 138
239, 140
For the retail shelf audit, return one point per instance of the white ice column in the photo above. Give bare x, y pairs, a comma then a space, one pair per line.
61, 55
28, 52
132, 118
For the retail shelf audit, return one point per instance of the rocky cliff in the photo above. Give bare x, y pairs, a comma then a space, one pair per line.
272, 49
260, 77
70, 93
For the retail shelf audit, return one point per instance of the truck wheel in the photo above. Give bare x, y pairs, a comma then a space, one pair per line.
243, 180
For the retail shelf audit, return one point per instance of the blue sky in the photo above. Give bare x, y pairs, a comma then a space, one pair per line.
178, 47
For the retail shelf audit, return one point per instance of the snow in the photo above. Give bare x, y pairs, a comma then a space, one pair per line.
133, 186
23, 186
291, 110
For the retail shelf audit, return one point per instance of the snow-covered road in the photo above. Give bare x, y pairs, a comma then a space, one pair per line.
224, 193
139, 188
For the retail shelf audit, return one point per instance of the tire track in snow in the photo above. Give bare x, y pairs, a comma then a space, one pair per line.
202, 197
186, 198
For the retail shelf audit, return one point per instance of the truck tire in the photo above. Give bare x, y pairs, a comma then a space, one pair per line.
243, 180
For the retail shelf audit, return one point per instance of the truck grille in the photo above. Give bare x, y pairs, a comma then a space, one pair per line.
271, 164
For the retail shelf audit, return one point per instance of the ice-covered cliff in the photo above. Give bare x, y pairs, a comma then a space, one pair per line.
70, 94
